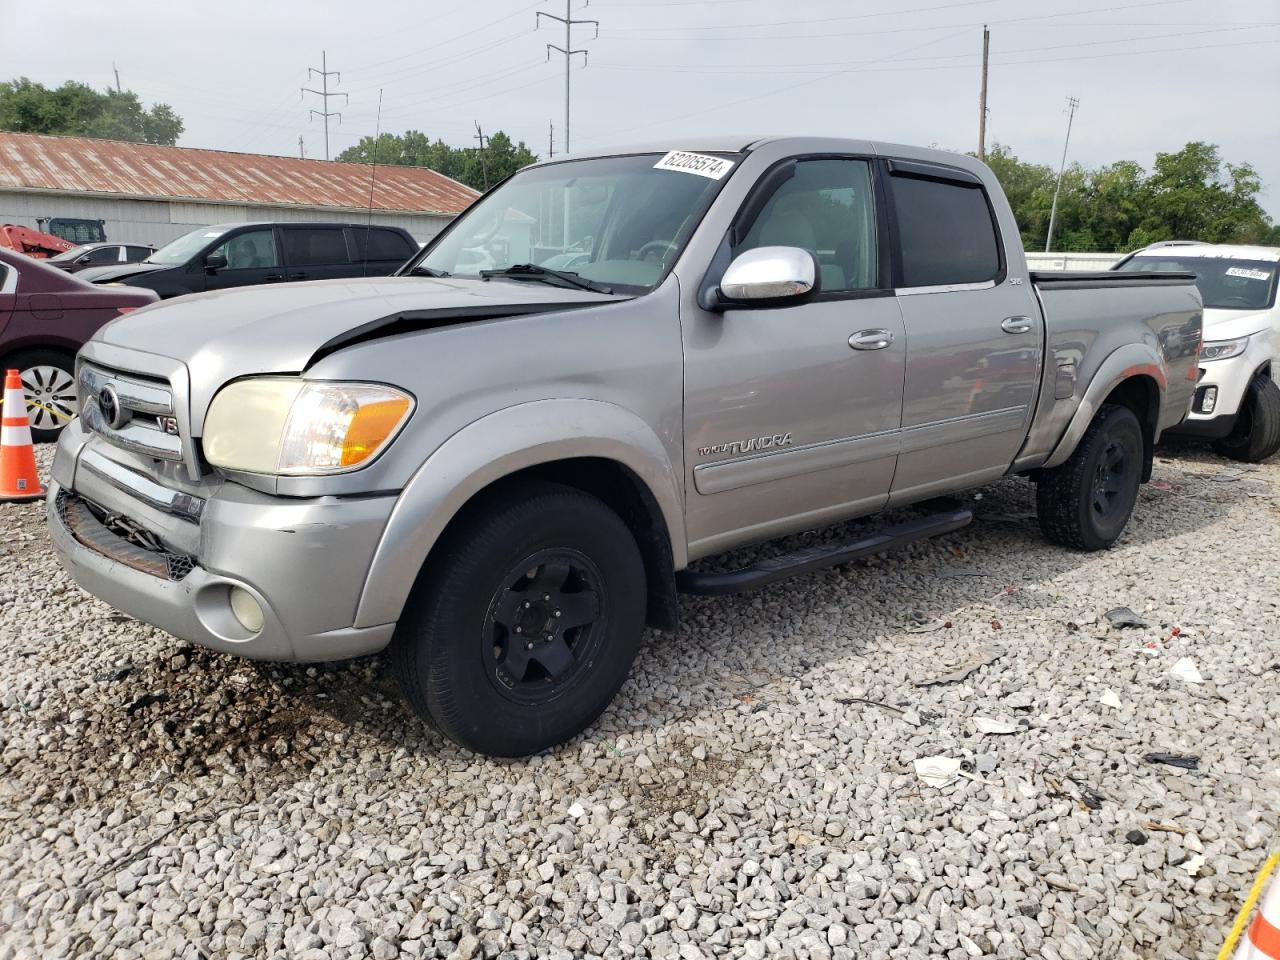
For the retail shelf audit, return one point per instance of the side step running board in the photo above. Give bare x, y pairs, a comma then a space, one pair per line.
816, 558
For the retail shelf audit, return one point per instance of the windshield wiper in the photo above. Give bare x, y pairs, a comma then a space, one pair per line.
421, 271
534, 271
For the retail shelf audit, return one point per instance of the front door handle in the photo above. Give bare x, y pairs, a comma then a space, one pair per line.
871, 339
270, 277
1016, 324
298, 276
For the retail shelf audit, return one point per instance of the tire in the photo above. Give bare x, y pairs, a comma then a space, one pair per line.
1256, 434
524, 564
49, 381
1086, 502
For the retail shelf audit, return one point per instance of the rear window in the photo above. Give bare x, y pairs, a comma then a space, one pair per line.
1224, 283
103, 255
382, 244
312, 246
945, 231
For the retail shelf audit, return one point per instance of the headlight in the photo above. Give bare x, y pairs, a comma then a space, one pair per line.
1222, 349
283, 425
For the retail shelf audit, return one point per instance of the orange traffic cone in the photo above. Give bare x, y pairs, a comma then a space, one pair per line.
18, 477
1262, 941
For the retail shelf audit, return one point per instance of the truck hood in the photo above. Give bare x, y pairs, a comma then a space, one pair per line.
1228, 324
282, 328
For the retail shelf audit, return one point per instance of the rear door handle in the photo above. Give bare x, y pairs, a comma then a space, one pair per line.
871, 339
1016, 324
298, 276
273, 276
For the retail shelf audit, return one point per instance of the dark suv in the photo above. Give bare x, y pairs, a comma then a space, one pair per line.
242, 254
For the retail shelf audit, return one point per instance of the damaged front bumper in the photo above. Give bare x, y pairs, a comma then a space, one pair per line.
172, 555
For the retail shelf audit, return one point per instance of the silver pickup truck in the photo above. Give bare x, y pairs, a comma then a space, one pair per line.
502, 462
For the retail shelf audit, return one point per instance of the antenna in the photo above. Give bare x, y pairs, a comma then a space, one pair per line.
373, 179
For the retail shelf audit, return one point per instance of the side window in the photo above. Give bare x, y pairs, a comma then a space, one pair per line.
381, 244
314, 246
828, 208
250, 250
102, 255
946, 232
137, 253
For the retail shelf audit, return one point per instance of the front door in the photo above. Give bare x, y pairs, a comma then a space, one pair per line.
975, 335
792, 413
252, 257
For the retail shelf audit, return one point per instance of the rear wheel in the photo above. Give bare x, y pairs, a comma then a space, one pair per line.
49, 383
527, 623
1256, 434
1086, 502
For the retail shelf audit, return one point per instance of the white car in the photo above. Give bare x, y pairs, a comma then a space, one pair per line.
1237, 400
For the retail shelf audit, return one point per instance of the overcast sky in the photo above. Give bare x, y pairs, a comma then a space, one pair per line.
1150, 75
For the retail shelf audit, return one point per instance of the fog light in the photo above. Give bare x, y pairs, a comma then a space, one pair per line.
1209, 400
246, 609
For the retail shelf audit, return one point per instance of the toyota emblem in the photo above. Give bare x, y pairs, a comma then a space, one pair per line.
113, 413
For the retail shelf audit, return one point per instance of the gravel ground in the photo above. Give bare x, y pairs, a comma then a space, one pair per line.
752, 793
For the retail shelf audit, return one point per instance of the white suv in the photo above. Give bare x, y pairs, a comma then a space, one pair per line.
1237, 401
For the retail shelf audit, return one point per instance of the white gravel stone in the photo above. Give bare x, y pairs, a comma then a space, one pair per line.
752, 793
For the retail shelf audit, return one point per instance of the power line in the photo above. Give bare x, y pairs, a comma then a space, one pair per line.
324, 73
568, 52
1072, 104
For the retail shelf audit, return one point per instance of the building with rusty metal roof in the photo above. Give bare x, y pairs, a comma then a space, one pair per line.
142, 193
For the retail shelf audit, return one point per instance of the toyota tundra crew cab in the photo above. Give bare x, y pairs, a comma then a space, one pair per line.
504, 461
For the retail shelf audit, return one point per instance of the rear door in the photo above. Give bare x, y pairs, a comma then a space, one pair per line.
316, 252
385, 250
253, 256
792, 412
975, 335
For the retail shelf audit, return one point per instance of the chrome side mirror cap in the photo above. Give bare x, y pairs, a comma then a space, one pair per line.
770, 276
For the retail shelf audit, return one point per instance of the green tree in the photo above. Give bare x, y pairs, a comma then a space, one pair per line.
470, 165
77, 110
1189, 195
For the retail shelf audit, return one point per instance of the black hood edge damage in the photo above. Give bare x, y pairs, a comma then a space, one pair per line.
412, 321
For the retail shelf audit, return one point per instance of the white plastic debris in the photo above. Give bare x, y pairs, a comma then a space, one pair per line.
1110, 698
576, 810
992, 725
1193, 864
1185, 669
937, 771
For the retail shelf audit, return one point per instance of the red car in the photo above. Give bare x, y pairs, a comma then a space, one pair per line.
46, 316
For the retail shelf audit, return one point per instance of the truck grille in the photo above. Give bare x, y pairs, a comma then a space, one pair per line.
120, 539
131, 411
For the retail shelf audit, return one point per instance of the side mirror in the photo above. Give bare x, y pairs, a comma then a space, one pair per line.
770, 276
215, 262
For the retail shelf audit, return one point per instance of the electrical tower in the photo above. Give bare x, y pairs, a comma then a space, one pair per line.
324, 73
1072, 103
568, 51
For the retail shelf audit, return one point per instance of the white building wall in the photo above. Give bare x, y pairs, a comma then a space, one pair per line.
159, 221
1072, 261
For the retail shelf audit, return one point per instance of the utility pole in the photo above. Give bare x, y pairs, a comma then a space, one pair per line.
117, 73
568, 51
484, 168
302, 153
324, 73
551, 138
982, 98
1072, 103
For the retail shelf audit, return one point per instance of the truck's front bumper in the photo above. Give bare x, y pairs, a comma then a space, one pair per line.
303, 561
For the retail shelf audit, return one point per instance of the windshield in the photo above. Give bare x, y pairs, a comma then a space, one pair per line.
72, 253
1224, 284
186, 246
615, 221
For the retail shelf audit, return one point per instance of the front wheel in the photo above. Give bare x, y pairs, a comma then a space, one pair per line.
1086, 502
1256, 434
526, 623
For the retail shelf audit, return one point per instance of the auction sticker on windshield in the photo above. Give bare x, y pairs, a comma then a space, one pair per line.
699, 163
1248, 273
